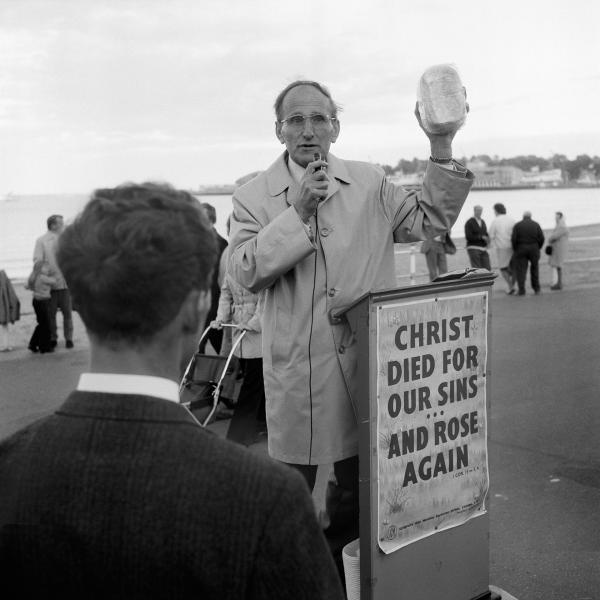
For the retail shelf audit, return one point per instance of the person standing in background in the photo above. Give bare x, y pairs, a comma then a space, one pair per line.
435, 250
558, 240
40, 282
527, 238
215, 336
477, 239
500, 233
45, 250
242, 308
10, 310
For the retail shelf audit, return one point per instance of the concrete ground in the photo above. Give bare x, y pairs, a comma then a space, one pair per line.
544, 446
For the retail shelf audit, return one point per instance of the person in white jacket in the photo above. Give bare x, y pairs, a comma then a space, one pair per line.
500, 233
242, 308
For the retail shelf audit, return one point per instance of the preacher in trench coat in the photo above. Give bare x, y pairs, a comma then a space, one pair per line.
314, 261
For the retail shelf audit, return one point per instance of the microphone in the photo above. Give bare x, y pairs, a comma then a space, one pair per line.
317, 156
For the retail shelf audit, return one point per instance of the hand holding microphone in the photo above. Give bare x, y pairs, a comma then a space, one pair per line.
313, 187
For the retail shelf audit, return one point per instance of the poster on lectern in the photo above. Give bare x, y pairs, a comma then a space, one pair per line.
431, 422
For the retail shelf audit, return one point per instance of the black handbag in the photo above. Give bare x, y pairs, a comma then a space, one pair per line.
548, 250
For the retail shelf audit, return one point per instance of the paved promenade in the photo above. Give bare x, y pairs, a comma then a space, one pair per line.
544, 444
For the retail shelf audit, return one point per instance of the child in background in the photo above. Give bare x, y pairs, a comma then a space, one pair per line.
40, 282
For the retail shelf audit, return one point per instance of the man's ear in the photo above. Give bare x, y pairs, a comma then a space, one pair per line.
278, 133
336, 131
194, 310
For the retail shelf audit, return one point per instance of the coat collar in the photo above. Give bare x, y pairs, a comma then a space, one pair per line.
98, 405
280, 179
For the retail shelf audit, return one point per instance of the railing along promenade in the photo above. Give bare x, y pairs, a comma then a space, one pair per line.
414, 249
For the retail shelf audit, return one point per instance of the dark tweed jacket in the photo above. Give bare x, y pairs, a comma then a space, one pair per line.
127, 497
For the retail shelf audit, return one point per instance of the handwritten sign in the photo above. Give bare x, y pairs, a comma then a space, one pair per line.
431, 423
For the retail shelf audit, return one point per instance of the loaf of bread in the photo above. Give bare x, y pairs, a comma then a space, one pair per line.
441, 99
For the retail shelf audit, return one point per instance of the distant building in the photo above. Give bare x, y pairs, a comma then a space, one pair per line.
549, 178
587, 177
489, 177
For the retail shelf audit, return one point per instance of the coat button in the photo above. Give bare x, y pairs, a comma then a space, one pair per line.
331, 292
324, 231
341, 349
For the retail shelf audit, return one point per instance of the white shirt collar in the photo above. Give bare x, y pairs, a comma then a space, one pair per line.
142, 385
296, 171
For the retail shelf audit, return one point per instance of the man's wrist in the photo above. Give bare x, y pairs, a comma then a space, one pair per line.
440, 150
304, 218
443, 160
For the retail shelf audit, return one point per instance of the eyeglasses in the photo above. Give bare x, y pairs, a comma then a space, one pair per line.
318, 121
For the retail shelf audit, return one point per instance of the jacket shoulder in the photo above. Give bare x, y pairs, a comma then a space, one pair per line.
249, 189
359, 170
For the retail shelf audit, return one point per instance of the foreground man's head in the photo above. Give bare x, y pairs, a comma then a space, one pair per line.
138, 261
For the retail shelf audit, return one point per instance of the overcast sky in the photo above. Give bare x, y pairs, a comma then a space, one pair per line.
97, 93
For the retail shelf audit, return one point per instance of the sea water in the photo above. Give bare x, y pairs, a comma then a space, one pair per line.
23, 218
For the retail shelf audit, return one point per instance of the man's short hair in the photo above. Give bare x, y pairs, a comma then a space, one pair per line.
281, 97
132, 256
52, 219
211, 213
500, 208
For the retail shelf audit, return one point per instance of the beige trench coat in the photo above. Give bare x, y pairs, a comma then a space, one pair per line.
559, 240
310, 361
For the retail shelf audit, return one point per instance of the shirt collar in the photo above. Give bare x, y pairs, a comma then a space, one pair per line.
296, 170
279, 176
140, 385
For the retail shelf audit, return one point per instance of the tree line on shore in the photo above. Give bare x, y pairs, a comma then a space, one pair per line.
571, 169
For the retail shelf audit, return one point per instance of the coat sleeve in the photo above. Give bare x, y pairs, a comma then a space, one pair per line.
559, 232
541, 238
470, 233
38, 251
262, 252
492, 234
47, 279
417, 215
225, 303
254, 322
303, 568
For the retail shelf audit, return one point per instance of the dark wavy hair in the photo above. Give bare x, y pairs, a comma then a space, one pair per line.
500, 208
131, 257
281, 97
52, 219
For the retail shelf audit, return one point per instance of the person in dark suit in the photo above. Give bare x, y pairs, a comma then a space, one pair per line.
527, 240
120, 493
477, 239
215, 336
